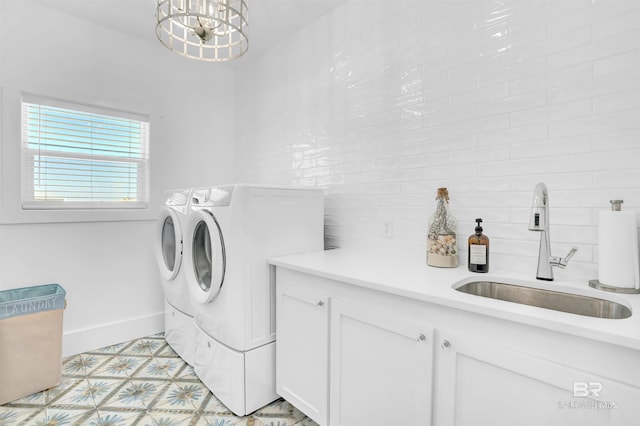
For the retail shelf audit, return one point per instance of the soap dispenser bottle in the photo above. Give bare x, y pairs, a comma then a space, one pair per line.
442, 248
478, 259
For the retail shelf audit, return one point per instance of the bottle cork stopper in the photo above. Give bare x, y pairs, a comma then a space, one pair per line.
443, 193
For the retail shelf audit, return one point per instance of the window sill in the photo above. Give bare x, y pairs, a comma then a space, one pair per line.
25, 216
82, 206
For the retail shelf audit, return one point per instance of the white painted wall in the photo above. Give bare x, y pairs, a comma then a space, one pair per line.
380, 103
104, 260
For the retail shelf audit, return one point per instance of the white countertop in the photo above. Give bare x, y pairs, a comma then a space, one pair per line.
415, 280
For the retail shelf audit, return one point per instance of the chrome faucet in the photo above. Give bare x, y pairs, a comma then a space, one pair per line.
539, 221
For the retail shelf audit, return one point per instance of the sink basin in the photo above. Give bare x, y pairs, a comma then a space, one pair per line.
548, 299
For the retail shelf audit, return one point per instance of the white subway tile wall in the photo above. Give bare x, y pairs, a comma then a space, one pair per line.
380, 103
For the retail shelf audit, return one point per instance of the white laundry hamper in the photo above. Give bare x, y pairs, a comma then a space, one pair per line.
30, 340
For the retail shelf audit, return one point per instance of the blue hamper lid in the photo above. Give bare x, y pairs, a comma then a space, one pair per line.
29, 300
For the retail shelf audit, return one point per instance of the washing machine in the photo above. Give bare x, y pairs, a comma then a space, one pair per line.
179, 328
232, 230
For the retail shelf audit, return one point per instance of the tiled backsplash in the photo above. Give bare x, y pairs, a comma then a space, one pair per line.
382, 102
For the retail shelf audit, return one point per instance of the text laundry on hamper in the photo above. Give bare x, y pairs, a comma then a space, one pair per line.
30, 340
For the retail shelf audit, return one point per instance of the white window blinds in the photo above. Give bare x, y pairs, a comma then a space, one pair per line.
81, 157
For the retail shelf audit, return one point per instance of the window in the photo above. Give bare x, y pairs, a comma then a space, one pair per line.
81, 157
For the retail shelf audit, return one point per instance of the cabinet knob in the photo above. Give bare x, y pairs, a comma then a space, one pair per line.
320, 303
422, 338
446, 344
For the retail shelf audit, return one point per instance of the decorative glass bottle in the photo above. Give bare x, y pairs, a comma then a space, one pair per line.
442, 249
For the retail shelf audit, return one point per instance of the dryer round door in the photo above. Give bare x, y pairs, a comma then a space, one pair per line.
206, 255
168, 244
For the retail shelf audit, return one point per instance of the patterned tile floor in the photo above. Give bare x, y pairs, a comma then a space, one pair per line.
141, 382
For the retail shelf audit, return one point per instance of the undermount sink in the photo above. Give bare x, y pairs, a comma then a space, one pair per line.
548, 299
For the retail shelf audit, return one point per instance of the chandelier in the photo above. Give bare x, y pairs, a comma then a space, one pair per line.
207, 30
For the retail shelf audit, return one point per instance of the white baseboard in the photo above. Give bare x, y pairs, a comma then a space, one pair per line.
88, 339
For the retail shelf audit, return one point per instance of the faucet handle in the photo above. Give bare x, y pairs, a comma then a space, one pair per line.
571, 253
560, 262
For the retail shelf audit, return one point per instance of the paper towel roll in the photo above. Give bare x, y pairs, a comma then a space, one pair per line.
618, 249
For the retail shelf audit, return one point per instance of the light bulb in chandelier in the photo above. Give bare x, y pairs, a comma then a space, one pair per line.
204, 33
213, 25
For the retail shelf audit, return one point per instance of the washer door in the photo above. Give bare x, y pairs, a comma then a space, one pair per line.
206, 255
168, 244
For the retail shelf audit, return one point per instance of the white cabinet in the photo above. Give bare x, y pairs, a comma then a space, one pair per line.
302, 348
481, 383
349, 356
378, 370
380, 367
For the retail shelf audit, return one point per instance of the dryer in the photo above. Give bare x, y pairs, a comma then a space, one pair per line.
179, 327
232, 230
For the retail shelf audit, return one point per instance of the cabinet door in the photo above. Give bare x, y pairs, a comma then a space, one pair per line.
302, 323
482, 384
381, 368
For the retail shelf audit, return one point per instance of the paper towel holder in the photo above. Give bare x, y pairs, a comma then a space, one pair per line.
597, 284
616, 206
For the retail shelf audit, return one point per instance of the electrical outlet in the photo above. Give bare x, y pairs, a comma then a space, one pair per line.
387, 228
